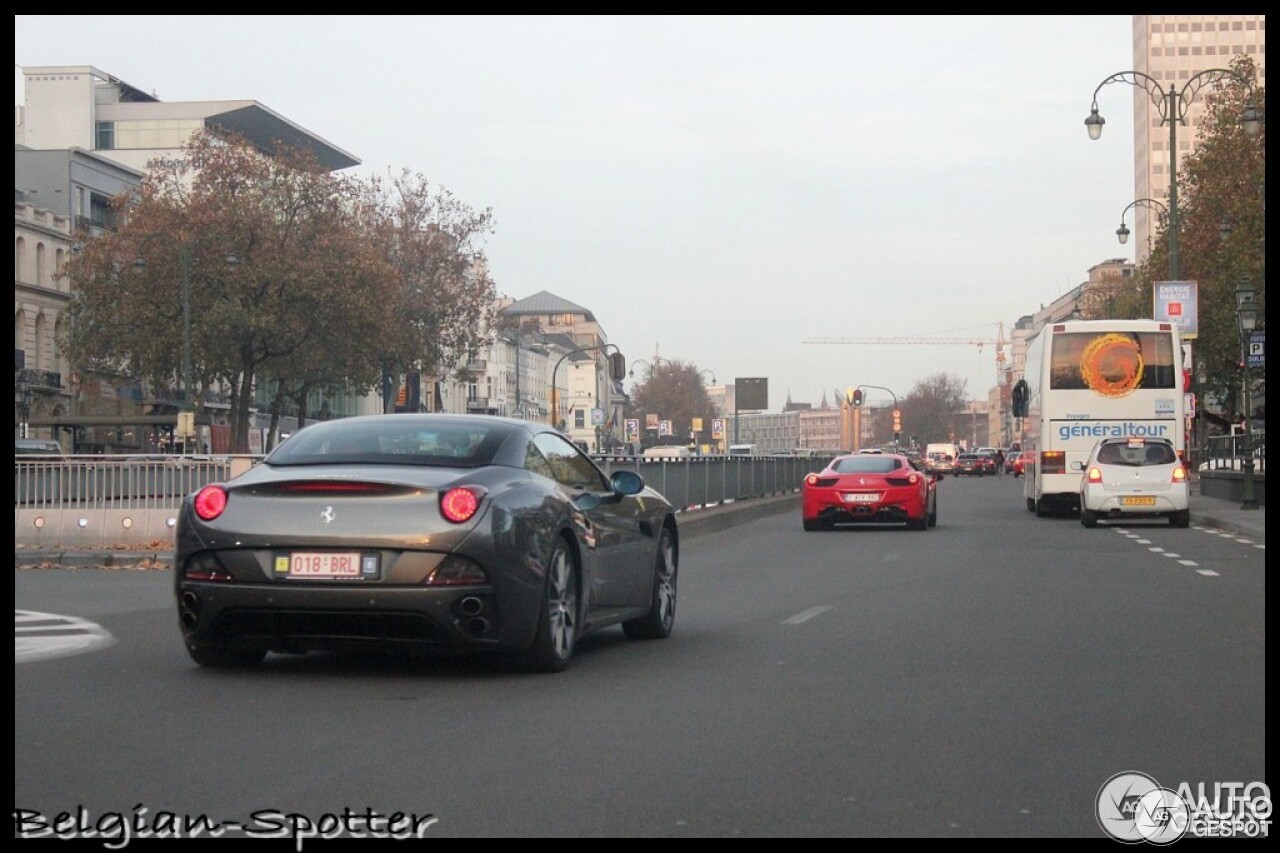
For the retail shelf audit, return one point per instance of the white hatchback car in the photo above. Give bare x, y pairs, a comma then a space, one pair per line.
1134, 478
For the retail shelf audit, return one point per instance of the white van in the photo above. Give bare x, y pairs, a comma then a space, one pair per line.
674, 451
949, 449
742, 450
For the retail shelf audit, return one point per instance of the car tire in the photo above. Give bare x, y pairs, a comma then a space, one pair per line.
658, 622
811, 524
1181, 518
1088, 518
554, 640
933, 516
220, 658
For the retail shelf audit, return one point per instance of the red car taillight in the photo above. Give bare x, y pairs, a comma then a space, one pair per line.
1179, 474
1095, 475
461, 503
210, 502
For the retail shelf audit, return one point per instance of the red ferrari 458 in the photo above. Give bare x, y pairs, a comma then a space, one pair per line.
870, 489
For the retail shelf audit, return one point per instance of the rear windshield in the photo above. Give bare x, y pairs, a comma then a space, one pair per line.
1136, 455
392, 440
866, 464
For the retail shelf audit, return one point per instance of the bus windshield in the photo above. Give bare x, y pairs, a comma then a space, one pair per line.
1112, 364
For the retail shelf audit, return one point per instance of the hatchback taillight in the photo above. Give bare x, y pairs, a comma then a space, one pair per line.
1095, 475
1179, 474
210, 502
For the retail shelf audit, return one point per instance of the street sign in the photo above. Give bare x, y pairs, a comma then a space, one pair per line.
597, 417
1257, 350
632, 428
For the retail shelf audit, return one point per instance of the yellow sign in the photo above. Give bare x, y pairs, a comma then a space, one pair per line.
186, 425
697, 424
848, 395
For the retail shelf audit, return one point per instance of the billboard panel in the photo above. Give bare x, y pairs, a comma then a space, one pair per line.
751, 394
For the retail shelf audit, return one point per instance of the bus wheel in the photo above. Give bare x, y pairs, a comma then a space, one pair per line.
1031, 505
1041, 508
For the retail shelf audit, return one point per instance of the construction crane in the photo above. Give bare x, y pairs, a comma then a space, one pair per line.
999, 343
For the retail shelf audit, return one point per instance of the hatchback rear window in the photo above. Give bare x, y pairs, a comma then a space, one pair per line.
1136, 455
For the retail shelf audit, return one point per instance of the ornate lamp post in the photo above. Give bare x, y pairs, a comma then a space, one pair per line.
1247, 316
1123, 231
1173, 107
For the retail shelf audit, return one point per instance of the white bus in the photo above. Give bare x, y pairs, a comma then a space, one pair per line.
1091, 379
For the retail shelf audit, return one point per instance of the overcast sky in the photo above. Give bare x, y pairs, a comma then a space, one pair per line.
715, 189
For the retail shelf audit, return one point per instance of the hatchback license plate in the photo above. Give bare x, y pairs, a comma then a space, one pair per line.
862, 497
1138, 501
324, 565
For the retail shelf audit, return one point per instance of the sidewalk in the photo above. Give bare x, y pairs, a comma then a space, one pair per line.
1205, 511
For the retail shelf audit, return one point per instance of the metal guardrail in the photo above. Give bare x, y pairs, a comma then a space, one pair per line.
1227, 452
64, 501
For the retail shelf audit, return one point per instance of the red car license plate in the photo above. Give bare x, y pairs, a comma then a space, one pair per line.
304, 564
861, 497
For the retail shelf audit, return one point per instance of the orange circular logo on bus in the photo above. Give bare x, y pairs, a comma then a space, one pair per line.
1112, 365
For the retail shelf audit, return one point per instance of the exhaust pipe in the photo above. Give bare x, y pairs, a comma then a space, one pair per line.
478, 625
470, 606
189, 612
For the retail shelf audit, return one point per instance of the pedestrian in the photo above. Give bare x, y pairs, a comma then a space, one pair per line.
999, 462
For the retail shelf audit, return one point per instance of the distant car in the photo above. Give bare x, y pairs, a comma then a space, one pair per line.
1126, 478
408, 534
36, 447
869, 488
940, 463
1020, 461
975, 465
1011, 462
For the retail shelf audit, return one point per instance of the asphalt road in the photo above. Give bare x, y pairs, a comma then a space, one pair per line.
983, 678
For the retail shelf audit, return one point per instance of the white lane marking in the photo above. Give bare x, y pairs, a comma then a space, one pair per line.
55, 637
1156, 550
1143, 541
1171, 554
1189, 562
806, 615
1209, 573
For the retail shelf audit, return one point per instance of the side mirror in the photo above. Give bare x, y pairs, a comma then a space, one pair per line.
1076, 466
626, 482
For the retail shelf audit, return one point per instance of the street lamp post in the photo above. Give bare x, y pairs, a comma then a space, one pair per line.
1172, 107
1247, 315
897, 412
185, 263
1122, 233
22, 396
693, 434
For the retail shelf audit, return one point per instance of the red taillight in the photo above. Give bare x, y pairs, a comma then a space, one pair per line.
460, 504
914, 478
1179, 474
210, 502
1095, 475
811, 479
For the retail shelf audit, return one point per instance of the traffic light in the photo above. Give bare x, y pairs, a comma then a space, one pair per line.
897, 421
857, 397
617, 366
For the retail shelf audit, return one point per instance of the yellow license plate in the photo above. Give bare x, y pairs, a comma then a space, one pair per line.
1138, 501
